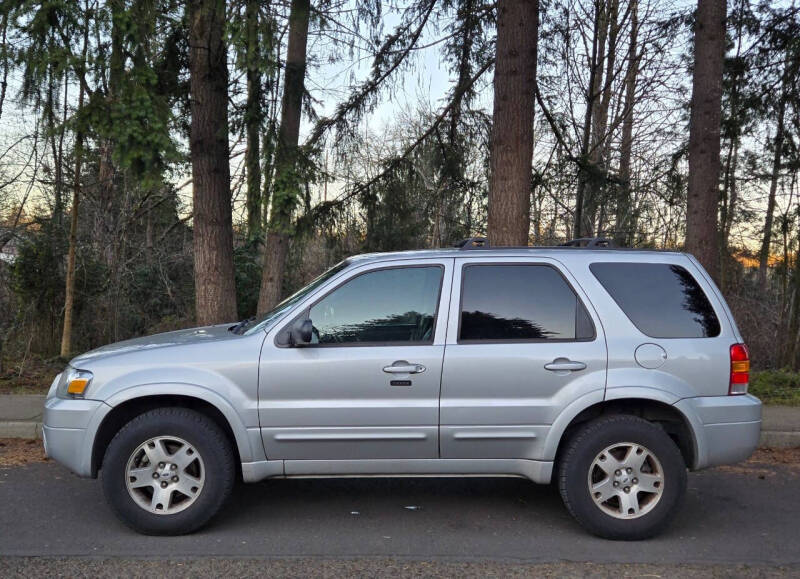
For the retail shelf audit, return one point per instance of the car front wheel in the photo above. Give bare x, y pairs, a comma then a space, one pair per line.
168, 471
622, 477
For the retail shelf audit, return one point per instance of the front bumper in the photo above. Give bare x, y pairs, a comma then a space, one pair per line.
69, 430
726, 429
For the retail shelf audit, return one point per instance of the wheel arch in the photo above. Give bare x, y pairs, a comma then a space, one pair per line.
127, 405
677, 425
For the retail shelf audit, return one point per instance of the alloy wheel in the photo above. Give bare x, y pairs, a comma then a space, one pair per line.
165, 475
626, 480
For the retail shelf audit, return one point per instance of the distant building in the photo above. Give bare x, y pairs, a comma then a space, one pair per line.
10, 246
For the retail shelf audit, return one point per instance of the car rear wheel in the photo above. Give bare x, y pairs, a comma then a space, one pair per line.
622, 477
168, 471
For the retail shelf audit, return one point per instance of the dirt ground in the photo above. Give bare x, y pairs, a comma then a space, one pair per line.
20, 451
788, 456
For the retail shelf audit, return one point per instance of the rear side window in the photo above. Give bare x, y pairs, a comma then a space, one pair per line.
662, 300
517, 303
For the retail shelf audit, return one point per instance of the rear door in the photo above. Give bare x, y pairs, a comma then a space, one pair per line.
523, 343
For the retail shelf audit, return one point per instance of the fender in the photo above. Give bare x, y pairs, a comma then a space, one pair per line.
246, 451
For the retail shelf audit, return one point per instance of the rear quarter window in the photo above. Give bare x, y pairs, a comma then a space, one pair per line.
662, 300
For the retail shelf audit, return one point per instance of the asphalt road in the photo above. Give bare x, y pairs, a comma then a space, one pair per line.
739, 515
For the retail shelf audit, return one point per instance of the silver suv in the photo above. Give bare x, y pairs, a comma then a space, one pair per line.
608, 371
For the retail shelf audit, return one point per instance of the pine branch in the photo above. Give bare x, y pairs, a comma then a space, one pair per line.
358, 100
395, 162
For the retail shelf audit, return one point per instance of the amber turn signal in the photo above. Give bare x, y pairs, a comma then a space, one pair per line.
77, 386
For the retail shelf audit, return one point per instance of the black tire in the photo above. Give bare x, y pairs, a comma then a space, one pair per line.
202, 434
587, 443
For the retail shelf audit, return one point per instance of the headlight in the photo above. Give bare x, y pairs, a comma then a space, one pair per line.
73, 383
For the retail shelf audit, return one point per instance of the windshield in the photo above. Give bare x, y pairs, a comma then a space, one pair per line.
262, 321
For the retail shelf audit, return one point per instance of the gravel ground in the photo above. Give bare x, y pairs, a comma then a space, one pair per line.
390, 568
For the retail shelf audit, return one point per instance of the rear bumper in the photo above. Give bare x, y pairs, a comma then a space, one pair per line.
69, 429
726, 429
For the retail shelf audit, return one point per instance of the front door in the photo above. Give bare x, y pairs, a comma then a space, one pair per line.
368, 385
524, 344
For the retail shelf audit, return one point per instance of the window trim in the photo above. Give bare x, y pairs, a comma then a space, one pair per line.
630, 319
459, 309
305, 312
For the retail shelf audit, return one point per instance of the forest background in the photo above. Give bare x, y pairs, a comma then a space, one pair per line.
166, 163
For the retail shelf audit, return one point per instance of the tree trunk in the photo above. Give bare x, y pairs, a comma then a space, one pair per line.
729, 190
763, 256
624, 233
512, 130
215, 291
450, 190
107, 173
69, 289
598, 155
52, 132
704, 133
582, 225
791, 335
6, 63
253, 118
286, 189
730, 196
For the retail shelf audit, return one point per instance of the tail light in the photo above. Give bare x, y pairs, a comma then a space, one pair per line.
740, 369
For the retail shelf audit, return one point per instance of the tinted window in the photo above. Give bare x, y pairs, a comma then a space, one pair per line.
388, 305
662, 300
520, 302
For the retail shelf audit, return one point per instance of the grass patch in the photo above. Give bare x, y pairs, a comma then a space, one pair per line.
776, 387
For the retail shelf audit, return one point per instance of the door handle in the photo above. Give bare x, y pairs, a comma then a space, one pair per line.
564, 365
403, 367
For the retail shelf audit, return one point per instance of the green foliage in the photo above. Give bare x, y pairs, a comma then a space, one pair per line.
138, 121
248, 277
47, 27
776, 387
395, 212
37, 273
136, 113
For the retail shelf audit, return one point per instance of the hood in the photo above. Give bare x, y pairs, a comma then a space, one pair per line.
166, 340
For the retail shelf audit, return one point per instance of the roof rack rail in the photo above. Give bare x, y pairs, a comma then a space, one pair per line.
472, 243
590, 242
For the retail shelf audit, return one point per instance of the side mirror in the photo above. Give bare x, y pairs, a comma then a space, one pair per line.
301, 332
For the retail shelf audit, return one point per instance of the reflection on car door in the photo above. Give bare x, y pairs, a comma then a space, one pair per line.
523, 343
368, 387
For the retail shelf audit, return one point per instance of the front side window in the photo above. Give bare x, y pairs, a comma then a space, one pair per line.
387, 305
662, 300
520, 303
